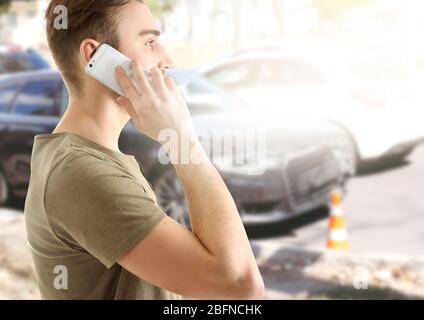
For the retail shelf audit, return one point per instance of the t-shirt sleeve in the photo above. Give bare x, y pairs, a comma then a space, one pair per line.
100, 206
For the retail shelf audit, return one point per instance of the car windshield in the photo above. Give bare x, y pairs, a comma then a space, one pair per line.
196, 88
194, 84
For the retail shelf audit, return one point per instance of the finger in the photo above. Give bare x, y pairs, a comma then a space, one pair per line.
170, 84
140, 79
158, 80
126, 85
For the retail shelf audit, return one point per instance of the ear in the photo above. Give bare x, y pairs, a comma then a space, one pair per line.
87, 49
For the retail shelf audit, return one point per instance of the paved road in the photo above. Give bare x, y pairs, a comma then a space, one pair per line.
384, 212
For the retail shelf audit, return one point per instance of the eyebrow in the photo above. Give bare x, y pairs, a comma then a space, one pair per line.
150, 31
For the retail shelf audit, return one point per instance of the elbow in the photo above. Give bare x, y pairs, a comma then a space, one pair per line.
247, 286
259, 290
244, 283
251, 286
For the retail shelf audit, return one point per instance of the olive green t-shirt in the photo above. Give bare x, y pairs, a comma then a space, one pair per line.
86, 206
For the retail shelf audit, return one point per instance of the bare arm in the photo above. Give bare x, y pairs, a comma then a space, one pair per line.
215, 219
215, 260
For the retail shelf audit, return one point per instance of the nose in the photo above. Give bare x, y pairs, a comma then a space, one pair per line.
165, 61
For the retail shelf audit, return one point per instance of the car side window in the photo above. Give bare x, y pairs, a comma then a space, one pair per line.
202, 108
195, 88
235, 76
13, 64
38, 98
289, 72
6, 96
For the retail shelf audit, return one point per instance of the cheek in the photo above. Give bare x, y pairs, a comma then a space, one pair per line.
139, 53
144, 58
130, 47
130, 51
136, 50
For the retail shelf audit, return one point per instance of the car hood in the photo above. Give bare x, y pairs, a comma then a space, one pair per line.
282, 134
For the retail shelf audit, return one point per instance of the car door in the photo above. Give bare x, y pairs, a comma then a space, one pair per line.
35, 110
8, 92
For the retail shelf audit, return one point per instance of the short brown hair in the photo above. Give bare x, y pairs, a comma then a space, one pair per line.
96, 19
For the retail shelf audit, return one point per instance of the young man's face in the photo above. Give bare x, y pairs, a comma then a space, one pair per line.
136, 42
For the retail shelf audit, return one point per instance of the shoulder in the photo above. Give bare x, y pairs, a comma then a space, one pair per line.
81, 172
77, 162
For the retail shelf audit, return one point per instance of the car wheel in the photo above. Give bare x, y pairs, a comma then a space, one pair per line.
170, 196
4, 189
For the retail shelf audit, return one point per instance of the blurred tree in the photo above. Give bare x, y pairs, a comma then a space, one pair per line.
278, 6
192, 7
331, 9
161, 7
4, 6
216, 13
237, 7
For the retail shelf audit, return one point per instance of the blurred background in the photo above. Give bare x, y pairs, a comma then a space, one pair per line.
334, 86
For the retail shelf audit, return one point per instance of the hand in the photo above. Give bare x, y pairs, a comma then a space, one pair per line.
153, 108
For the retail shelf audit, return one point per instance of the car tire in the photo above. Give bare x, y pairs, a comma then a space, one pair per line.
4, 189
170, 195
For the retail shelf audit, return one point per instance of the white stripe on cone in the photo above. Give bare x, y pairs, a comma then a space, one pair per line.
336, 211
338, 234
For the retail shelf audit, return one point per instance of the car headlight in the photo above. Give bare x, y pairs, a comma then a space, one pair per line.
344, 150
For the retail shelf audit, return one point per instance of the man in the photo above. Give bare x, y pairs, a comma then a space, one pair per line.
93, 225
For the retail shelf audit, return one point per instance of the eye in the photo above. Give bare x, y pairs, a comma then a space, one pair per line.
151, 43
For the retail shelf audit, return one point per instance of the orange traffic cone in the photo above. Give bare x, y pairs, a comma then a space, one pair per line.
337, 236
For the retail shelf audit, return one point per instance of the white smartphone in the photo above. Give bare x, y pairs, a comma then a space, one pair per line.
103, 64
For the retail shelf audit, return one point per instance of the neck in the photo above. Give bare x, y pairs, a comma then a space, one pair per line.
96, 117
